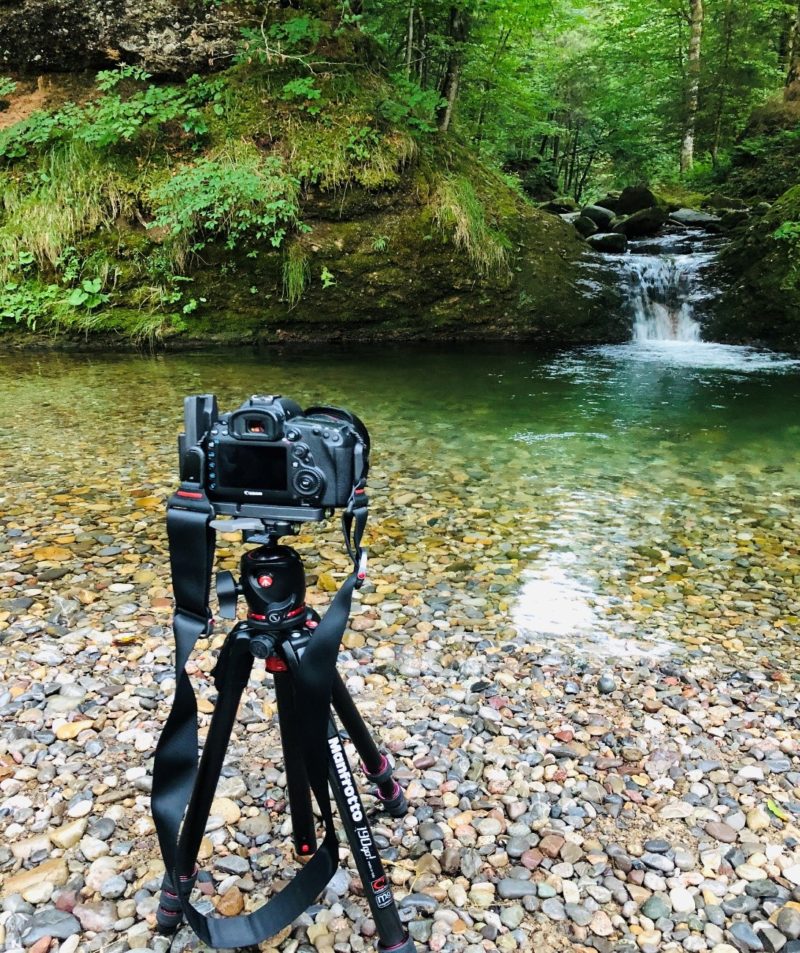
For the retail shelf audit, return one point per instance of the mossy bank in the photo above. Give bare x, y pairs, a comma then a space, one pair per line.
271, 202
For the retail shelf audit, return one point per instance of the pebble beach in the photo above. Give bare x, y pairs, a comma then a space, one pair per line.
601, 751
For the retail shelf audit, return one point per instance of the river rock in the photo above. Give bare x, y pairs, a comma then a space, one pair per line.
635, 198
733, 219
585, 226
788, 922
53, 923
692, 218
53, 872
602, 217
643, 224
611, 242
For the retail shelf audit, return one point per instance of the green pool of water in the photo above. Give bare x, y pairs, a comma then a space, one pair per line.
642, 496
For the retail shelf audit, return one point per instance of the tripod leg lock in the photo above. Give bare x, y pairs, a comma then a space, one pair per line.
169, 914
407, 946
396, 803
382, 775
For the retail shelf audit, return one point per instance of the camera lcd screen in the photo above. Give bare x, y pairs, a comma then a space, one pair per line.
252, 468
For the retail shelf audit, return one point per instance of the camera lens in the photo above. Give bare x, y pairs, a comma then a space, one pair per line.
308, 482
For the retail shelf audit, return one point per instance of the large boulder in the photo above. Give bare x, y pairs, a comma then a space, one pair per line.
602, 217
166, 37
643, 224
586, 226
692, 218
610, 201
721, 202
734, 219
760, 302
614, 243
635, 198
560, 206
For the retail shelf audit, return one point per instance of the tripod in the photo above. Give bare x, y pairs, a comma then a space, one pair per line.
278, 629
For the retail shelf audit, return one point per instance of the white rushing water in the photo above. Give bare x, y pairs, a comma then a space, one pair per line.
664, 285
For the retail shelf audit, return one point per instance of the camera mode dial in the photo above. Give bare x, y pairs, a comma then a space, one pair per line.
308, 482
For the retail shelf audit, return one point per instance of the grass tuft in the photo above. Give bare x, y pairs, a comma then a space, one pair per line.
73, 196
459, 211
296, 273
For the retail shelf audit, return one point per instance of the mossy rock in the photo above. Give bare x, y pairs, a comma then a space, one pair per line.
761, 277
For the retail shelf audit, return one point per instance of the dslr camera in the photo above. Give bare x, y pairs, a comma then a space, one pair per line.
270, 459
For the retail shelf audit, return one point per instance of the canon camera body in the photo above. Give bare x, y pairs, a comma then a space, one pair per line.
271, 453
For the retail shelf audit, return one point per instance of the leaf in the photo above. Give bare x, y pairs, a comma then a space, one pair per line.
774, 808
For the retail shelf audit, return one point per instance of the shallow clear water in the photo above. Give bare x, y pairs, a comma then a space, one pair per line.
638, 497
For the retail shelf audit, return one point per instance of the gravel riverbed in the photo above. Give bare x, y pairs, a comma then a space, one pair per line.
619, 773
559, 800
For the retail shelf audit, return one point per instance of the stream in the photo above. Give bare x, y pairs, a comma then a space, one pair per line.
611, 501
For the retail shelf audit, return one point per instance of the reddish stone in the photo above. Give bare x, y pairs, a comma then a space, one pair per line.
532, 859
566, 735
66, 900
551, 845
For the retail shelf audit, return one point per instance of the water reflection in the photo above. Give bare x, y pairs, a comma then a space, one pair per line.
607, 478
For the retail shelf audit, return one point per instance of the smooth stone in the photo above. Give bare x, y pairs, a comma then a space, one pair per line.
53, 923
788, 922
509, 888
744, 937
721, 831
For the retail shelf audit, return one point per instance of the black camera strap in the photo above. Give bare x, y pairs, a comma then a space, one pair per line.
192, 542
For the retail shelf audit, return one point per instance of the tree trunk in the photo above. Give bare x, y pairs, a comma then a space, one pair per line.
584, 178
791, 92
452, 75
410, 40
723, 88
693, 81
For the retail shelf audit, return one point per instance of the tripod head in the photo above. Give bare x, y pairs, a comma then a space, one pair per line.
272, 579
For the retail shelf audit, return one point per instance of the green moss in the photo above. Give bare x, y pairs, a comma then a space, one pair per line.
761, 303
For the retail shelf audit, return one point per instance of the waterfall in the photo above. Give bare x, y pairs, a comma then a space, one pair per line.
665, 283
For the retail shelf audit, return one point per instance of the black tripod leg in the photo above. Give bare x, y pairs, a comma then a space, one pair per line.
393, 936
237, 666
303, 829
374, 763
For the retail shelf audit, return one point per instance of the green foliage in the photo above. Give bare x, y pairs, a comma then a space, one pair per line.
381, 243
129, 104
89, 295
459, 212
241, 198
7, 86
299, 32
410, 106
28, 302
327, 277
304, 93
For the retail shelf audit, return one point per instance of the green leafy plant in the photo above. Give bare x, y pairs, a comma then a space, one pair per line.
327, 278
118, 115
381, 243
27, 302
7, 86
361, 143
410, 106
304, 93
89, 294
241, 198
